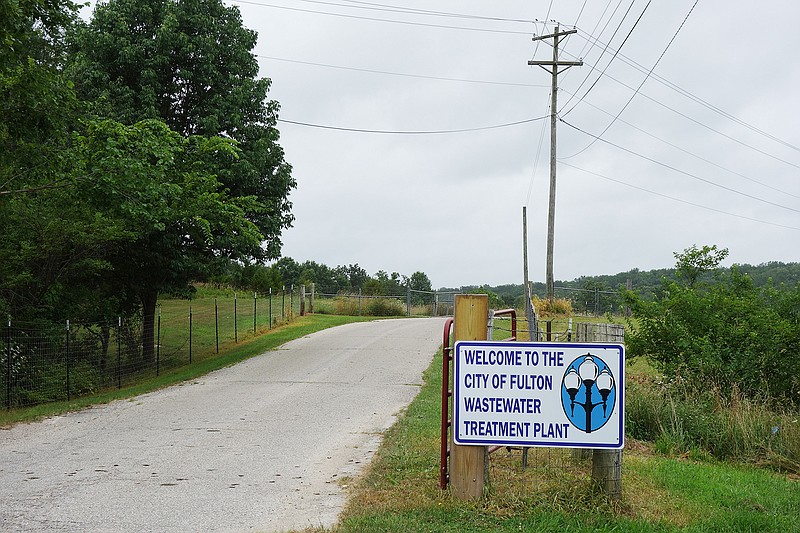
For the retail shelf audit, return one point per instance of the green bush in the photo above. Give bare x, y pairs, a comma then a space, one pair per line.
728, 333
385, 307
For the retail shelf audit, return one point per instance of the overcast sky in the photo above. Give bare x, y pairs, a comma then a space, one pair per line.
703, 149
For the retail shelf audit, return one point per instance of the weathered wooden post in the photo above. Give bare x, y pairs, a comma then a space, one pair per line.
467, 462
302, 300
606, 464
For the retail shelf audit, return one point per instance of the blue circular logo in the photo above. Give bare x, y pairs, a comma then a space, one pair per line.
588, 393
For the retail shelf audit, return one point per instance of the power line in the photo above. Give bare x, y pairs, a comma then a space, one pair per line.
596, 42
538, 154
616, 52
699, 123
373, 5
375, 19
674, 169
404, 74
696, 156
418, 132
642, 82
588, 42
679, 199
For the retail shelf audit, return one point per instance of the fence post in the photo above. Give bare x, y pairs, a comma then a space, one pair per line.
467, 462
311, 306
68, 384
190, 333
119, 352
235, 325
283, 302
302, 300
216, 323
359, 301
596, 302
270, 308
606, 464
255, 312
408, 300
158, 343
8, 364
291, 301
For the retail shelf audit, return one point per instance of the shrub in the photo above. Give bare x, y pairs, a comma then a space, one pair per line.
556, 306
385, 307
729, 333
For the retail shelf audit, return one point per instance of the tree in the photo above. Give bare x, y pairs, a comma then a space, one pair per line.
692, 263
188, 63
167, 215
38, 109
289, 271
420, 282
357, 276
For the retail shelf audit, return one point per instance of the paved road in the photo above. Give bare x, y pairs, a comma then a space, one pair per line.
261, 446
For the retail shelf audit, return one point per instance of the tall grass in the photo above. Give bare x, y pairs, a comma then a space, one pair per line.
684, 418
554, 307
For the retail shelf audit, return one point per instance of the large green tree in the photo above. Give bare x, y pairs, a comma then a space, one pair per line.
190, 64
171, 217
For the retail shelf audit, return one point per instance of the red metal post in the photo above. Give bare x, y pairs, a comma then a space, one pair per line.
513, 313
446, 357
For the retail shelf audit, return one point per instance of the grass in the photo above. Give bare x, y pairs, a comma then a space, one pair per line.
230, 353
399, 492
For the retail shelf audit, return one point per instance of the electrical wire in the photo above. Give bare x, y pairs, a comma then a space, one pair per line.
538, 154
411, 132
546, 17
698, 123
375, 19
640, 84
416, 11
616, 52
588, 43
685, 93
404, 74
679, 171
696, 156
687, 202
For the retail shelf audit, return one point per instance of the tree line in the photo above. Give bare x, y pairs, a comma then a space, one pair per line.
648, 284
286, 272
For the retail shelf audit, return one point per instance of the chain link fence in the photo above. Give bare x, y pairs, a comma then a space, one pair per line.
413, 303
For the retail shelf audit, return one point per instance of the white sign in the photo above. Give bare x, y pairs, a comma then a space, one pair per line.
539, 394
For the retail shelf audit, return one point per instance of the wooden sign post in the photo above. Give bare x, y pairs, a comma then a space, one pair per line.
467, 462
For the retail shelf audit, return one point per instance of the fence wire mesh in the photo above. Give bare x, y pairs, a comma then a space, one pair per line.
42, 362
413, 303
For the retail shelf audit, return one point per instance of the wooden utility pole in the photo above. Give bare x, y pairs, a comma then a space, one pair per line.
554, 71
525, 290
466, 462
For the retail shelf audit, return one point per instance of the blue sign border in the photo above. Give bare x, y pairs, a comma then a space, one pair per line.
620, 392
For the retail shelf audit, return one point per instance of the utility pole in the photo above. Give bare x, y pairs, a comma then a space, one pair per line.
525, 251
554, 71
